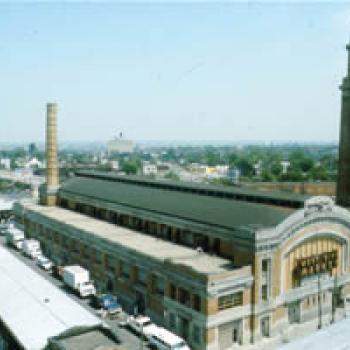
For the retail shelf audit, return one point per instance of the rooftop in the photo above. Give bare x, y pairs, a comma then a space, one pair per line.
148, 246
95, 338
210, 210
24, 293
234, 192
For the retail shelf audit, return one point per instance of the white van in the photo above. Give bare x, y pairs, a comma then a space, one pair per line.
162, 339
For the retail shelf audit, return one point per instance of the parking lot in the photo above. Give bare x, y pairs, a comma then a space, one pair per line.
127, 337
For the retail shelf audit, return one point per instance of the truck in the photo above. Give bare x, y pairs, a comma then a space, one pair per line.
14, 237
78, 279
108, 303
31, 248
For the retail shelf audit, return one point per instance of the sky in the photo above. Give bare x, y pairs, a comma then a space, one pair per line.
173, 71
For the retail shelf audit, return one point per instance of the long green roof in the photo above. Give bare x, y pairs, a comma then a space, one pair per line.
288, 199
205, 209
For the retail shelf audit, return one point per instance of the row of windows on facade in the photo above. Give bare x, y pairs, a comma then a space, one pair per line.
119, 267
167, 232
315, 300
124, 270
157, 282
183, 296
196, 330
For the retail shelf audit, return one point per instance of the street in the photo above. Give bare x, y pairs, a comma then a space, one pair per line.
128, 339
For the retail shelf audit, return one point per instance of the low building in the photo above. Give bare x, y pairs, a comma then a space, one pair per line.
149, 169
34, 163
120, 145
32, 310
85, 338
5, 163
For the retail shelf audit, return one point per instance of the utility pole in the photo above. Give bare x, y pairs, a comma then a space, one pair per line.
334, 296
319, 302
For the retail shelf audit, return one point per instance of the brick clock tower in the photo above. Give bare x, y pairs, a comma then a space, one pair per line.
343, 183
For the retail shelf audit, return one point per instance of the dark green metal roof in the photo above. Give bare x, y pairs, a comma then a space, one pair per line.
205, 209
294, 200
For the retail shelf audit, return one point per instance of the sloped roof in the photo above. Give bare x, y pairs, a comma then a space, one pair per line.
199, 208
288, 199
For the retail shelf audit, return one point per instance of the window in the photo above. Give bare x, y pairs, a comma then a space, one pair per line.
172, 292
110, 263
86, 253
230, 300
196, 334
265, 327
184, 297
125, 270
265, 277
264, 294
157, 285
142, 277
196, 302
265, 265
172, 321
98, 257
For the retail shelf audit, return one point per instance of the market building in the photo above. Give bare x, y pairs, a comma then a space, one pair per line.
220, 267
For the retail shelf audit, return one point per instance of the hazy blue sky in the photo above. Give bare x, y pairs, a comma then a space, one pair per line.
173, 72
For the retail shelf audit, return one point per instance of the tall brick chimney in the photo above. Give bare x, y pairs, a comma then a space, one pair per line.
343, 184
49, 197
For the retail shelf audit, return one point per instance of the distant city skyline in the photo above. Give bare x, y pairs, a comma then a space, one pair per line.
185, 72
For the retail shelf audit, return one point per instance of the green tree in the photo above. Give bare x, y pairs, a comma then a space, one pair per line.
212, 158
276, 169
245, 166
130, 167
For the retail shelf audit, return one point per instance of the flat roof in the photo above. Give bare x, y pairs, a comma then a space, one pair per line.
92, 340
141, 243
32, 308
203, 209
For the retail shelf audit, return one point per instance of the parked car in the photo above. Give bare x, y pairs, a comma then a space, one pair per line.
162, 339
31, 248
141, 325
45, 263
3, 228
14, 237
107, 302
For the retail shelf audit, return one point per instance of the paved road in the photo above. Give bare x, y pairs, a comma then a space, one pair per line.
127, 337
